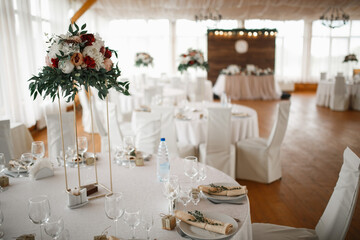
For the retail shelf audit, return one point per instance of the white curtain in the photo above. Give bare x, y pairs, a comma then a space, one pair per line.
22, 40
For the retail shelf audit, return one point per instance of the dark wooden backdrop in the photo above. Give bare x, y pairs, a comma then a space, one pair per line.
221, 53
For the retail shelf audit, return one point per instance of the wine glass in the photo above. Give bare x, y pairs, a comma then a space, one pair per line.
184, 194
2, 167
171, 190
54, 227
190, 167
38, 149
1, 221
132, 218
128, 148
39, 210
147, 221
114, 207
82, 147
26, 159
201, 173
195, 196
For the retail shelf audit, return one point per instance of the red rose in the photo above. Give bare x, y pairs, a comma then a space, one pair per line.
88, 39
102, 50
89, 62
191, 62
55, 62
108, 53
183, 55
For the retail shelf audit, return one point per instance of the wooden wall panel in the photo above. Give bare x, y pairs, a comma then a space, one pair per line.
221, 53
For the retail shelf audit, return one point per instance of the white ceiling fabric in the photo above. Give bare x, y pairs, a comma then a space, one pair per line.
230, 9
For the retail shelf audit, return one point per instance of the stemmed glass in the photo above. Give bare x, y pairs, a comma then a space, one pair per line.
190, 167
132, 218
184, 195
82, 147
39, 210
38, 149
147, 221
2, 167
201, 173
1, 221
114, 207
54, 227
171, 190
128, 148
26, 159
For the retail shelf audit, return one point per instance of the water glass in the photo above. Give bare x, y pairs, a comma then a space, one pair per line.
184, 194
82, 147
147, 221
195, 196
201, 173
38, 149
114, 207
39, 210
190, 167
54, 227
1, 221
132, 218
27, 159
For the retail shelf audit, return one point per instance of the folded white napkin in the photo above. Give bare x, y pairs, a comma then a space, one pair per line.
42, 168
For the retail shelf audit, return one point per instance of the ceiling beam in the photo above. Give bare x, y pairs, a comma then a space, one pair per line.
82, 10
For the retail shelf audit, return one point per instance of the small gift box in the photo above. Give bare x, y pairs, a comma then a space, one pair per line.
100, 237
139, 161
90, 161
4, 181
90, 189
76, 197
168, 222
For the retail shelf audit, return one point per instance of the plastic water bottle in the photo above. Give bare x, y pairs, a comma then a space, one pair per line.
162, 162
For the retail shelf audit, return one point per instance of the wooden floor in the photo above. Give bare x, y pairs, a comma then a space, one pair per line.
311, 157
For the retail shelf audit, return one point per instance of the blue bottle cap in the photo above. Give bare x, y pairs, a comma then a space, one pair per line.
162, 139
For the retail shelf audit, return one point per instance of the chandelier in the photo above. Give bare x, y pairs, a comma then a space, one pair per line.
334, 17
209, 14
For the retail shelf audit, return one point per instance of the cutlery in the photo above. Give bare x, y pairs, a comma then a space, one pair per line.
228, 202
181, 233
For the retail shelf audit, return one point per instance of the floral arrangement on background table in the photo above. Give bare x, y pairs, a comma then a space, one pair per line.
193, 58
143, 59
232, 69
73, 60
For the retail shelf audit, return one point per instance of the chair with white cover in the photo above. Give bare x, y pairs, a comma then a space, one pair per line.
208, 93
147, 127
54, 136
336, 219
168, 132
6, 146
258, 159
339, 98
218, 151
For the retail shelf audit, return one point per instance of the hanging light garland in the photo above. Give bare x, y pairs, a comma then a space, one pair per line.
242, 32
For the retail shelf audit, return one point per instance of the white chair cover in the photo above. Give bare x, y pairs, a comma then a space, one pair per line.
339, 99
258, 159
218, 151
149, 93
116, 136
167, 128
6, 146
124, 105
208, 94
200, 89
335, 221
54, 133
100, 126
147, 131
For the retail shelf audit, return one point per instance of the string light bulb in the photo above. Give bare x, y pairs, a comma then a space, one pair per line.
255, 34
249, 34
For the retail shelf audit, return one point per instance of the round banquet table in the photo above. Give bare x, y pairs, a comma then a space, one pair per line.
193, 129
140, 189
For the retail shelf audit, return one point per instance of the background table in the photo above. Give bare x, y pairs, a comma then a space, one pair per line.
247, 87
194, 130
140, 188
325, 89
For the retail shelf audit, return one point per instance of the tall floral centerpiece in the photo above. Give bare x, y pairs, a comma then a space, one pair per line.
76, 59
192, 59
143, 59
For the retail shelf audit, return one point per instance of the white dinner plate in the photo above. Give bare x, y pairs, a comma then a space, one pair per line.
224, 198
202, 234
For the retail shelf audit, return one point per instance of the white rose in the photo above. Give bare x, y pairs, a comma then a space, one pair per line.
66, 66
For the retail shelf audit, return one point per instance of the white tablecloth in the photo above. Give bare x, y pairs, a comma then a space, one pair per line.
325, 88
21, 139
141, 191
247, 87
193, 131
